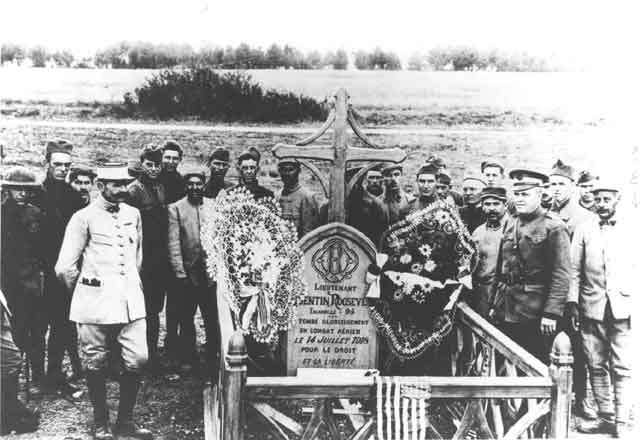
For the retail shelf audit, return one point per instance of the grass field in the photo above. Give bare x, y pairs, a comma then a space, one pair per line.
580, 97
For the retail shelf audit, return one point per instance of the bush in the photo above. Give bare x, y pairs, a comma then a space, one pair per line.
205, 94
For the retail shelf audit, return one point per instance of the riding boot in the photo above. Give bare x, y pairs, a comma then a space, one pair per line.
14, 416
97, 384
129, 385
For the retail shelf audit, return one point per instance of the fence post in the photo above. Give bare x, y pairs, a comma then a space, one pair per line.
235, 378
561, 373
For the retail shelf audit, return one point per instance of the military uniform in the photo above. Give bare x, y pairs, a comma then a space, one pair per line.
398, 205
421, 203
472, 216
213, 187
258, 191
301, 207
148, 196
368, 215
487, 239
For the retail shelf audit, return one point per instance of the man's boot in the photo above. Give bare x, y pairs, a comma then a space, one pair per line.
604, 424
129, 385
582, 407
97, 384
14, 416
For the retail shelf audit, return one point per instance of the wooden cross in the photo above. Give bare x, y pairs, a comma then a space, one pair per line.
339, 153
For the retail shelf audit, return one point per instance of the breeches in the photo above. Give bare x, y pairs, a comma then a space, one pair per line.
10, 360
94, 339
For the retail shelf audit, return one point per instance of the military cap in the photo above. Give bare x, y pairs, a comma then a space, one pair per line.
221, 154
428, 169
289, 160
561, 169
387, 168
494, 192
474, 176
436, 161
172, 145
586, 176
526, 179
80, 170
20, 177
113, 171
443, 178
605, 185
491, 163
151, 152
57, 146
250, 153
199, 174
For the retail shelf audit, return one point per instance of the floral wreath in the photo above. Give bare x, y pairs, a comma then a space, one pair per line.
252, 251
426, 260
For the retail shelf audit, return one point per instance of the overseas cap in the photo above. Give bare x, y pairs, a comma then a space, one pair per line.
562, 169
428, 169
475, 177
526, 179
113, 171
197, 173
494, 192
289, 160
586, 176
57, 146
250, 153
387, 168
151, 152
172, 145
20, 177
436, 160
221, 154
80, 170
443, 178
605, 185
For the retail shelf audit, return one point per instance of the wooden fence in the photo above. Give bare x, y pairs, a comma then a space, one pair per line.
547, 389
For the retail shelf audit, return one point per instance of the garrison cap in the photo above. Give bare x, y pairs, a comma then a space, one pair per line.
387, 168
562, 169
586, 176
428, 168
172, 145
221, 154
605, 185
250, 153
113, 171
494, 192
289, 160
20, 177
526, 179
57, 146
475, 177
198, 173
81, 170
443, 178
491, 163
151, 152
436, 160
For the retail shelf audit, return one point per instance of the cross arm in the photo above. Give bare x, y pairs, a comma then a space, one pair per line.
319, 152
369, 154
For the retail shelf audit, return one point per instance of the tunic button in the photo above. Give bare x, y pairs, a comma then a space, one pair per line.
121, 244
122, 272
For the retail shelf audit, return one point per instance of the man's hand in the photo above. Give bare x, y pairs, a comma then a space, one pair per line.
548, 326
573, 314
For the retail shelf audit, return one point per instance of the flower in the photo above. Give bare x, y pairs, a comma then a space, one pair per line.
416, 268
430, 265
425, 250
405, 258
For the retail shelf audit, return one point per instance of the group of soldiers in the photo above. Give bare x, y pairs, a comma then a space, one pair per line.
106, 249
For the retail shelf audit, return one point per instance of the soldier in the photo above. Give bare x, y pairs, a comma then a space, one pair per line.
366, 212
533, 274
59, 202
586, 182
600, 303
99, 262
472, 213
23, 266
172, 180
218, 166
188, 262
396, 201
14, 416
566, 205
248, 168
443, 189
299, 205
487, 236
174, 190
147, 194
441, 167
81, 179
493, 172
426, 183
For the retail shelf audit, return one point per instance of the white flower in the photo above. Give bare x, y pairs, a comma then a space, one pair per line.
430, 265
405, 258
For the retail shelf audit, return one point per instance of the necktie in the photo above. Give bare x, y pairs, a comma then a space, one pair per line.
607, 222
113, 208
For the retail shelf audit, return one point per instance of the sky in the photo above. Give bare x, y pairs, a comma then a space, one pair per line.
582, 32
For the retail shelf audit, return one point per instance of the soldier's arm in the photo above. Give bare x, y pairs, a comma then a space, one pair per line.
577, 260
140, 238
560, 274
75, 239
310, 214
175, 249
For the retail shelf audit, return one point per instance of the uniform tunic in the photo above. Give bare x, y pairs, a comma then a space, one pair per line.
301, 207
213, 187
257, 191
368, 215
472, 216
397, 205
422, 202
174, 186
487, 240
572, 214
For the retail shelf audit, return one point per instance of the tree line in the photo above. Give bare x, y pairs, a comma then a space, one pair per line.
146, 55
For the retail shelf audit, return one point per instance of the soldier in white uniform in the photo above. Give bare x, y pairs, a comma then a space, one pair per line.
99, 262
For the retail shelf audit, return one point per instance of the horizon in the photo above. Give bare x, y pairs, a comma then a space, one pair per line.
544, 28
